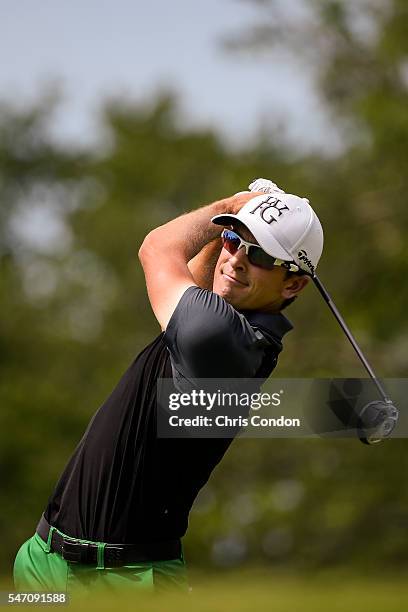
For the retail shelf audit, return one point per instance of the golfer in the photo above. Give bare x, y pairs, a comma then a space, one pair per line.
218, 279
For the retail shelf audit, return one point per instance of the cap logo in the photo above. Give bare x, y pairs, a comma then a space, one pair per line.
303, 257
266, 206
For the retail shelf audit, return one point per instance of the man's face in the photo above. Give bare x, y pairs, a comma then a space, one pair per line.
249, 287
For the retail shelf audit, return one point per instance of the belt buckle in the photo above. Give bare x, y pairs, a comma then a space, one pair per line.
74, 551
113, 555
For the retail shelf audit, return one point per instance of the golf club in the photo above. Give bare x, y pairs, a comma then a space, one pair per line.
378, 418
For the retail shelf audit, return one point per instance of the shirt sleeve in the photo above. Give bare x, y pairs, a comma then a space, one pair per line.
208, 338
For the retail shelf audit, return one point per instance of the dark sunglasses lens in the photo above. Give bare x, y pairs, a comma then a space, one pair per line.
231, 241
258, 257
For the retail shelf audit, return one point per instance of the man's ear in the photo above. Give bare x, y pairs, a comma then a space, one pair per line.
293, 286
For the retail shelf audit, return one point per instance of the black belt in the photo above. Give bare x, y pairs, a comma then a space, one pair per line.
114, 555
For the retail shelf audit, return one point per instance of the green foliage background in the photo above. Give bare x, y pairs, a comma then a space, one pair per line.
75, 311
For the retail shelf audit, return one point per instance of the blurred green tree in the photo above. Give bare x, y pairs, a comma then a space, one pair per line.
76, 312
343, 502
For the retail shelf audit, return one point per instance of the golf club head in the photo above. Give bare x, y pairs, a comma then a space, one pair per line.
376, 421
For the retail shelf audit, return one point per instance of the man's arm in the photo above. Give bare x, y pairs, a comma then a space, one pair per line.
202, 266
166, 251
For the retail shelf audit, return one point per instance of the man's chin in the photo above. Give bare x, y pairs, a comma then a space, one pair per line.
230, 296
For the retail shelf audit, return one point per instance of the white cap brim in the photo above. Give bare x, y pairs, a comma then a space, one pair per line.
272, 246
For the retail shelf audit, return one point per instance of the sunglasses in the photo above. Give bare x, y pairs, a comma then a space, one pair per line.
232, 242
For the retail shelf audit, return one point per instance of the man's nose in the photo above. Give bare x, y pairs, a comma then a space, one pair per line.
239, 260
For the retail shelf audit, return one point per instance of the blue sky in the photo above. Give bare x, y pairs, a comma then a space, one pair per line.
95, 49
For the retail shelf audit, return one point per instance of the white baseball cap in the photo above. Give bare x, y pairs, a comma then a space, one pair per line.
284, 225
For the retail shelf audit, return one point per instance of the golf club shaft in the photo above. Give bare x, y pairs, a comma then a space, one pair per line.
349, 335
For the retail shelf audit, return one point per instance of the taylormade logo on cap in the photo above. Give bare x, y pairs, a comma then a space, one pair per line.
284, 225
303, 257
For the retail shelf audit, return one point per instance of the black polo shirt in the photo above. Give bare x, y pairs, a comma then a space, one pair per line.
123, 484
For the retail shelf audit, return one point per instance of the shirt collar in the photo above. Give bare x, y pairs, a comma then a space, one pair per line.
274, 324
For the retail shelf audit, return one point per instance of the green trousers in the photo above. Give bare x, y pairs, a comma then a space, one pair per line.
38, 569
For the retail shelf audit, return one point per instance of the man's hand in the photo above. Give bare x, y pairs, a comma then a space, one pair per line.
237, 201
264, 186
